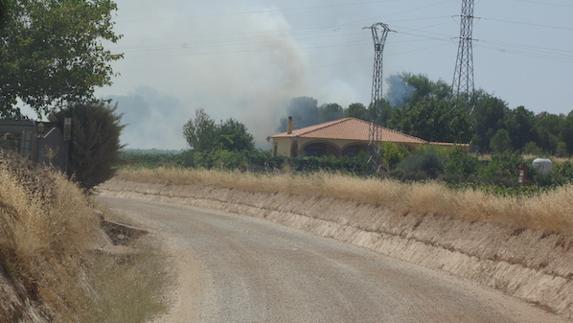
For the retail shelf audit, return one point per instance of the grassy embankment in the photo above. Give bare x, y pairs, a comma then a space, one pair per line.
50, 253
551, 211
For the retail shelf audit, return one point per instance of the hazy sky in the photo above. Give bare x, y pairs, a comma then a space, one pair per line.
245, 59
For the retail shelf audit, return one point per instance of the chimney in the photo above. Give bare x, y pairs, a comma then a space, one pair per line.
290, 126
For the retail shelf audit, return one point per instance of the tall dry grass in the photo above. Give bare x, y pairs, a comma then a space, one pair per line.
48, 230
45, 223
551, 211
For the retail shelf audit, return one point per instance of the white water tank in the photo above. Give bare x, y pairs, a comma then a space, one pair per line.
543, 166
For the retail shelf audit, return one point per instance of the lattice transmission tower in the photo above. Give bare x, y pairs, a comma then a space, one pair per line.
380, 33
463, 84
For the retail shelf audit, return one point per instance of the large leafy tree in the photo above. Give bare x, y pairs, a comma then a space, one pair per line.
548, 129
436, 120
234, 136
330, 112
205, 135
489, 115
52, 53
357, 110
200, 132
520, 123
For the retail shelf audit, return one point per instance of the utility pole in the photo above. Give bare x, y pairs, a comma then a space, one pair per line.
380, 33
463, 83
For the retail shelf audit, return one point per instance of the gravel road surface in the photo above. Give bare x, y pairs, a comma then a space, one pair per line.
240, 269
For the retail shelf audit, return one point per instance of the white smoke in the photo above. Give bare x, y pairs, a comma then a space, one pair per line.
249, 76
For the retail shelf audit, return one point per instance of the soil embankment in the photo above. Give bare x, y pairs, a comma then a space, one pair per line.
534, 265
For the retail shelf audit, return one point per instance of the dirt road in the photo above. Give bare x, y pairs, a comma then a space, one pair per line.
239, 269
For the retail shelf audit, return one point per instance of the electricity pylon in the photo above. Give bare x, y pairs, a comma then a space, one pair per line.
380, 33
463, 83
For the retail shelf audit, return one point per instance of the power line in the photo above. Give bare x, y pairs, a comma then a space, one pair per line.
546, 3
270, 10
526, 23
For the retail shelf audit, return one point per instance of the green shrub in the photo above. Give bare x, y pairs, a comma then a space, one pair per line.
423, 164
500, 142
531, 148
503, 169
354, 165
94, 149
565, 170
460, 166
393, 154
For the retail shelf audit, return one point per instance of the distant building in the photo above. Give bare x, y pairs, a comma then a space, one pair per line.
40, 142
343, 137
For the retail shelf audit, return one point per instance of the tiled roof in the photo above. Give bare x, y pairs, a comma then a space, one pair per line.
349, 129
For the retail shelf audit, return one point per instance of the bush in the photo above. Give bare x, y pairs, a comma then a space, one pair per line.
94, 149
565, 170
353, 165
531, 148
421, 165
393, 154
500, 142
460, 166
502, 170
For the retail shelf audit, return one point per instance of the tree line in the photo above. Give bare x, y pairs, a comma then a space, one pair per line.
424, 108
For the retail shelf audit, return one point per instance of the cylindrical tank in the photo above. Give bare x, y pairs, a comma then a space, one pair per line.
543, 166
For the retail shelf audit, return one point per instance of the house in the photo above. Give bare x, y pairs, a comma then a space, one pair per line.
40, 142
343, 137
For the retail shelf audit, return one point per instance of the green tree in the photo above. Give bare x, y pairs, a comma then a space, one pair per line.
330, 112
488, 117
520, 123
424, 88
206, 136
201, 132
567, 132
548, 129
436, 120
3, 11
500, 142
94, 150
233, 136
382, 113
53, 52
357, 110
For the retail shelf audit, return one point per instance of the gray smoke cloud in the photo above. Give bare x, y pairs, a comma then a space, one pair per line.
250, 79
246, 59
399, 92
152, 119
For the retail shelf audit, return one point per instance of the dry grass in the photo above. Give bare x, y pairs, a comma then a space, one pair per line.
47, 227
129, 288
45, 223
551, 211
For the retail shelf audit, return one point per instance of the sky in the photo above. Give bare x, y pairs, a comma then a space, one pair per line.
246, 59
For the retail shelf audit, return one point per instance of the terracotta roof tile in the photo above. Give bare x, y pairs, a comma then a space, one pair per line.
349, 129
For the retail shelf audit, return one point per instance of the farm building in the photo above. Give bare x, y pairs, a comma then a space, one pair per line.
40, 142
343, 137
